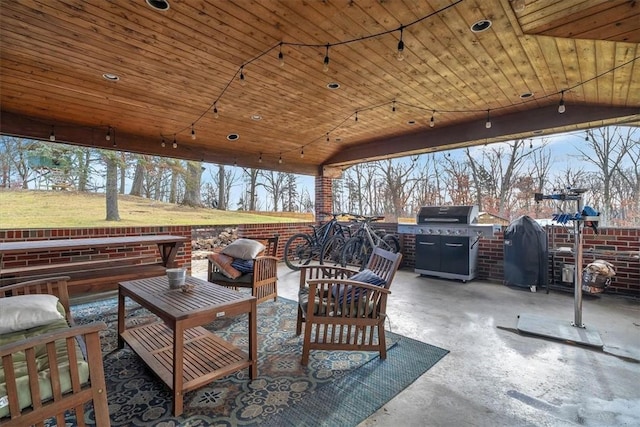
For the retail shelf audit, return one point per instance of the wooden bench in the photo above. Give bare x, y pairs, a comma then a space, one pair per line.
89, 269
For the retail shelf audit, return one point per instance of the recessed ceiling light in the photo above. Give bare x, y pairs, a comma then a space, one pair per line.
161, 5
111, 77
233, 136
411, 122
333, 85
526, 95
256, 117
480, 26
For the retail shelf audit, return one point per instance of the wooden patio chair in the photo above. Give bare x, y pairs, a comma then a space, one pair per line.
263, 280
344, 309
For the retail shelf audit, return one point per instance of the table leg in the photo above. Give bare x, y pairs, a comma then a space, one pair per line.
178, 356
253, 341
120, 319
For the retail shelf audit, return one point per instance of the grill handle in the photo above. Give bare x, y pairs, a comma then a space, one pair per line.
454, 245
427, 243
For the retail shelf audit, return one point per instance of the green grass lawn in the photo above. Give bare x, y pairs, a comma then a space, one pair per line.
54, 209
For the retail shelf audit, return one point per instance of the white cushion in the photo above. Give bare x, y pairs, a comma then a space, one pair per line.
243, 249
27, 311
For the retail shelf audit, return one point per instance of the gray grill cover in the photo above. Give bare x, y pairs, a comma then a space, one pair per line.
526, 254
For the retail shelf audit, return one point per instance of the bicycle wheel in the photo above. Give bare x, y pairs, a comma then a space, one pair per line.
390, 243
332, 250
355, 253
298, 251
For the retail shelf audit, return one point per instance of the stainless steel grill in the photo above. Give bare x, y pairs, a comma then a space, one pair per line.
447, 241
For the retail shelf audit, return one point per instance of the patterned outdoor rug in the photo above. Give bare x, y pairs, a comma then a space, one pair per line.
335, 389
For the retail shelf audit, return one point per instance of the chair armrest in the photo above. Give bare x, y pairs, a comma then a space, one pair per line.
43, 339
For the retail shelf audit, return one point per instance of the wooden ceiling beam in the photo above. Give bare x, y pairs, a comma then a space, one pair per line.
524, 124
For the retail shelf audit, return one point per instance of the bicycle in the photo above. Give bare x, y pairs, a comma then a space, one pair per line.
301, 248
357, 249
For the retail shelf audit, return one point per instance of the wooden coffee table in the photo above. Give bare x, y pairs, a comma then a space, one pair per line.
181, 352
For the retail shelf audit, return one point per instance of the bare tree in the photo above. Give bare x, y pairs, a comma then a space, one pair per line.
397, 183
274, 184
608, 146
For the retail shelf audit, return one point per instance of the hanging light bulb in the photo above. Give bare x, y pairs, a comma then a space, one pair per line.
162, 144
327, 136
432, 122
193, 132
175, 143
235, 163
280, 159
561, 107
400, 54
488, 123
302, 153
281, 56
243, 80
108, 135
52, 135
260, 158
114, 137
325, 63
393, 107
356, 116
530, 143
586, 137
215, 111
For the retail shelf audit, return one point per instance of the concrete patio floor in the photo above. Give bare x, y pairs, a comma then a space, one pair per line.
495, 376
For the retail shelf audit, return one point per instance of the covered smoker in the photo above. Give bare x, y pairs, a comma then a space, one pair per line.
526, 254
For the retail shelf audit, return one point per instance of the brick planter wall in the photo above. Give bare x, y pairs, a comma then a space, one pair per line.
622, 246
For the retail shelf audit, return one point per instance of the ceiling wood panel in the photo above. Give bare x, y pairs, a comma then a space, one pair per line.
173, 65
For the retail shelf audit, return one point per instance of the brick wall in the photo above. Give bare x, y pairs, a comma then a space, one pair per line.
183, 258
619, 246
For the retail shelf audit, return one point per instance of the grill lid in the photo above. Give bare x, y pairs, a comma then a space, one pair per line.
448, 215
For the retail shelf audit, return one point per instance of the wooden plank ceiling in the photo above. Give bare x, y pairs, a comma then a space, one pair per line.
176, 66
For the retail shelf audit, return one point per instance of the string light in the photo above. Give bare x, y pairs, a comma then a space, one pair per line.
108, 135
302, 153
530, 143
325, 63
260, 158
561, 107
175, 143
162, 144
586, 137
281, 57
193, 132
400, 54
114, 137
52, 135
243, 81
235, 163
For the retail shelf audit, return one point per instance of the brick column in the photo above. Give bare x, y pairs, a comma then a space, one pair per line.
324, 197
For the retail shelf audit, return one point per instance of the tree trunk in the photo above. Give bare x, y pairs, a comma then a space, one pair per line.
222, 202
138, 179
193, 180
112, 189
